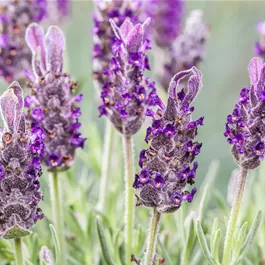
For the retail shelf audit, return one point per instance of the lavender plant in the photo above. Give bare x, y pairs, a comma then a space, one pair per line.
103, 41
52, 106
244, 132
181, 47
21, 150
167, 164
127, 97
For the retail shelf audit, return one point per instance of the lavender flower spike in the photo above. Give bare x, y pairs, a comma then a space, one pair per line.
188, 49
20, 152
103, 36
166, 20
15, 16
52, 105
128, 94
259, 48
167, 163
245, 129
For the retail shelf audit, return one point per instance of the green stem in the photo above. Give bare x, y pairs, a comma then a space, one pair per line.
108, 138
233, 217
19, 251
152, 239
57, 211
129, 205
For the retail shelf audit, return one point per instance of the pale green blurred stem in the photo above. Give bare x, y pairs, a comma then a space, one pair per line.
57, 213
19, 251
129, 207
233, 217
108, 138
152, 238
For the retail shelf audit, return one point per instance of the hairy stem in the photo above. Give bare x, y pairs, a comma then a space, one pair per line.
152, 239
108, 138
129, 206
19, 251
233, 217
57, 213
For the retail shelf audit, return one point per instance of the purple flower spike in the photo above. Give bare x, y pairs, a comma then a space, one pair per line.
128, 95
169, 160
52, 103
166, 18
19, 168
105, 41
188, 49
245, 129
15, 15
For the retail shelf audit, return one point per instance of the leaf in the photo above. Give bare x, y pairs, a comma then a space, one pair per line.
250, 238
203, 244
103, 243
216, 244
55, 242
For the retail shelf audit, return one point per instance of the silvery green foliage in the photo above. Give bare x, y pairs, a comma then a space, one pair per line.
168, 163
52, 103
20, 169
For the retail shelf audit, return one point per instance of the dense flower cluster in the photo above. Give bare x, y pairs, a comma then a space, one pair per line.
188, 49
166, 164
260, 45
20, 169
245, 129
103, 36
166, 20
128, 94
15, 16
52, 105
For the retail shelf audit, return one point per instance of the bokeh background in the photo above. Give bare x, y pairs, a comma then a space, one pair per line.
229, 50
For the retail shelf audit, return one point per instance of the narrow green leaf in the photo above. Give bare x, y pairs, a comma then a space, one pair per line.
103, 243
216, 245
55, 243
204, 245
250, 238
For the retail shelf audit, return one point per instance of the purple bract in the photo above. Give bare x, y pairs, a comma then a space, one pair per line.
21, 149
167, 164
52, 103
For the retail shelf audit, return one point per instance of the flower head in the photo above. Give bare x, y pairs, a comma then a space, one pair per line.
104, 38
168, 163
52, 103
128, 94
245, 130
19, 168
166, 20
188, 49
15, 16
